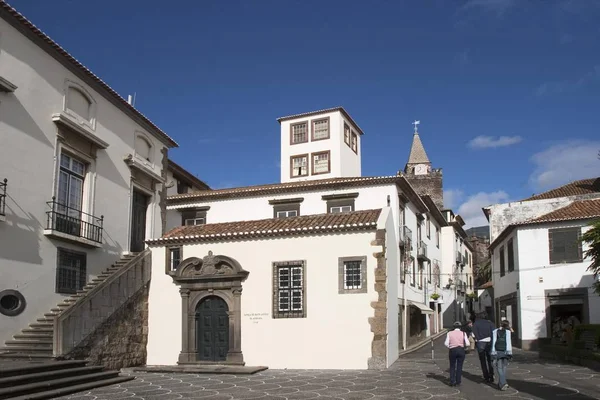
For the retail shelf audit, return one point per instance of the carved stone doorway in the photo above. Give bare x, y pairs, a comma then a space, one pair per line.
213, 281
212, 329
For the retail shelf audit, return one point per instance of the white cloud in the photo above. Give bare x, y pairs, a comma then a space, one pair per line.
452, 198
491, 142
471, 212
565, 162
591, 77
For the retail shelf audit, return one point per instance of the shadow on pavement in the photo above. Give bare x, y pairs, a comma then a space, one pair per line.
439, 377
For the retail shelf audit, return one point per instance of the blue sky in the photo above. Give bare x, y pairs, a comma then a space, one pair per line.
507, 91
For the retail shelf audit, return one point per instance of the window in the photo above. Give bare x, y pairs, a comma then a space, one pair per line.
502, 271
340, 203
79, 103
402, 266
71, 274
143, 148
354, 142
289, 299
194, 216
413, 278
347, 134
182, 187
321, 163
429, 272
564, 245
69, 199
339, 209
299, 133
428, 227
418, 231
320, 129
510, 254
352, 273
286, 214
299, 165
174, 257
437, 237
471, 282
420, 275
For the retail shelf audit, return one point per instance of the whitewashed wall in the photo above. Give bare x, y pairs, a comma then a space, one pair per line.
392, 255
320, 340
506, 284
27, 160
533, 255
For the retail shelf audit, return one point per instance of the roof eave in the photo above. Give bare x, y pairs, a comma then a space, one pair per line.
324, 111
185, 174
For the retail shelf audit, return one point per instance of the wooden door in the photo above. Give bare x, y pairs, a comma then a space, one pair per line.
138, 221
212, 329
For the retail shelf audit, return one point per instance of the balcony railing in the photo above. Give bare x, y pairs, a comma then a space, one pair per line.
406, 233
422, 251
73, 222
459, 258
3, 185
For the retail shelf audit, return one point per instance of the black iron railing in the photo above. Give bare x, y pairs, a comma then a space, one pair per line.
71, 221
3, 196
422, 249
407, 233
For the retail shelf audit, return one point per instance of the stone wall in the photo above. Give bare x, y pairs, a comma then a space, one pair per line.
120, 342
431, 184
378, 322
481, 255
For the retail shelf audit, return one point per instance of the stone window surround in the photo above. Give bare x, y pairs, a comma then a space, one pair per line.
194, 213
348, 139
63, 251
354, 141
312, 162
312, 128
286, 205
198, 279
340, 200
168, 259
363, 274
292, 125
292, 158
91, 123
550, 245
288, 314
151, 149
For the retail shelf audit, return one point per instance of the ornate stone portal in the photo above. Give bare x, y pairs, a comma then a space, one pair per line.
198, 279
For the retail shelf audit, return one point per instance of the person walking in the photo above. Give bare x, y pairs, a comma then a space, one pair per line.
483, 330
502, 352
468, 329
456, 341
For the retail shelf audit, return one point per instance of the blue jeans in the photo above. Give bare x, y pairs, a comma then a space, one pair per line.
485, 358
500, 365
457, 358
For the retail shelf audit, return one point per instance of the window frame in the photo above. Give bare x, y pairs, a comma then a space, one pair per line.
312, 162
280, 205
428, 226
82, 279
185, 222
292, 125
354, 141
552, 240
502, 262
148, 142
91, 123
429, 272
169, 266
194, 213
347, 139
437, 237
276, 266
340, 200
342, 275
292, 158
413, 279
312, 128
510, 254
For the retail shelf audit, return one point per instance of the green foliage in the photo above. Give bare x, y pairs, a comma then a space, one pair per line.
435, 296
484, 273
592, 239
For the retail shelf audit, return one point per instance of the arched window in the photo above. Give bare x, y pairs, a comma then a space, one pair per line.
143, 148
79, 103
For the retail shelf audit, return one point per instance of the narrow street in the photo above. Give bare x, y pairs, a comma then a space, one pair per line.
415, 376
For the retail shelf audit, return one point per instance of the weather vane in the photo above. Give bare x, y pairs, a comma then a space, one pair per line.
416, 124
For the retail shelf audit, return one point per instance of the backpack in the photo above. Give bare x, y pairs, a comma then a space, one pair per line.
500, 340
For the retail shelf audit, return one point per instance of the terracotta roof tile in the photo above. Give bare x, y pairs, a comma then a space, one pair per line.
576, 188
582, 209
47, 41
309, 224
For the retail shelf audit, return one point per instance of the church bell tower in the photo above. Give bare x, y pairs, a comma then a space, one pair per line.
418, 171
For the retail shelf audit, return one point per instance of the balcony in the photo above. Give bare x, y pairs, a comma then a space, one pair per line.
3, 199
422, 251
459, 258
73, 225
405, 234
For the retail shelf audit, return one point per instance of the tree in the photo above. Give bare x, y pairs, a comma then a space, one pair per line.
483, 273
592, 239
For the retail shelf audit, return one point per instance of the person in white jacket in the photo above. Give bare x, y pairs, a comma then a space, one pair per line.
501, 352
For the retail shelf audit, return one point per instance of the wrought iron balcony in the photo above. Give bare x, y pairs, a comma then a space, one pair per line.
422, 251
3, 185
405, 234
72, 222
459, 258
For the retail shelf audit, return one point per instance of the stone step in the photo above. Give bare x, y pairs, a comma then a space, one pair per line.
35, 357
38, 344
53, 394
45, 321
47, 375
50, 315
46, 385
41, 326
28, 335
26, 349
20, 368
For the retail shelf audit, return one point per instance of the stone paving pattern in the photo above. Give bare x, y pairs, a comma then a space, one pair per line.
414, 376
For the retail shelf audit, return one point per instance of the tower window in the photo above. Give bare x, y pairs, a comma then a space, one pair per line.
347, 134
320, 129
321, 163
299, 165
299, 133
354, 145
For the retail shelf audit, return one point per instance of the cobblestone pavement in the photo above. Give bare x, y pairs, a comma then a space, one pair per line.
415, 376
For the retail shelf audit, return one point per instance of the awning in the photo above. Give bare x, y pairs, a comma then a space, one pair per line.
424, 309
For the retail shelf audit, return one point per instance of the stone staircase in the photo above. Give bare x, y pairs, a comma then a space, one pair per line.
36, 341
49, 379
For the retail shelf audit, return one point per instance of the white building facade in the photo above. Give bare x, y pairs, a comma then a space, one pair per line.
539, 271
84, 173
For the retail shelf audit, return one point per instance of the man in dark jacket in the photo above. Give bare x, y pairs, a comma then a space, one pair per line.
482, 329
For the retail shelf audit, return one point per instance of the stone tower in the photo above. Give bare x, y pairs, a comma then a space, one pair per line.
418, 171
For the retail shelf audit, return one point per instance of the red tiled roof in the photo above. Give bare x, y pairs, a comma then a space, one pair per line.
576, 188
308, 224
19, 21
578, 210
327, 110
